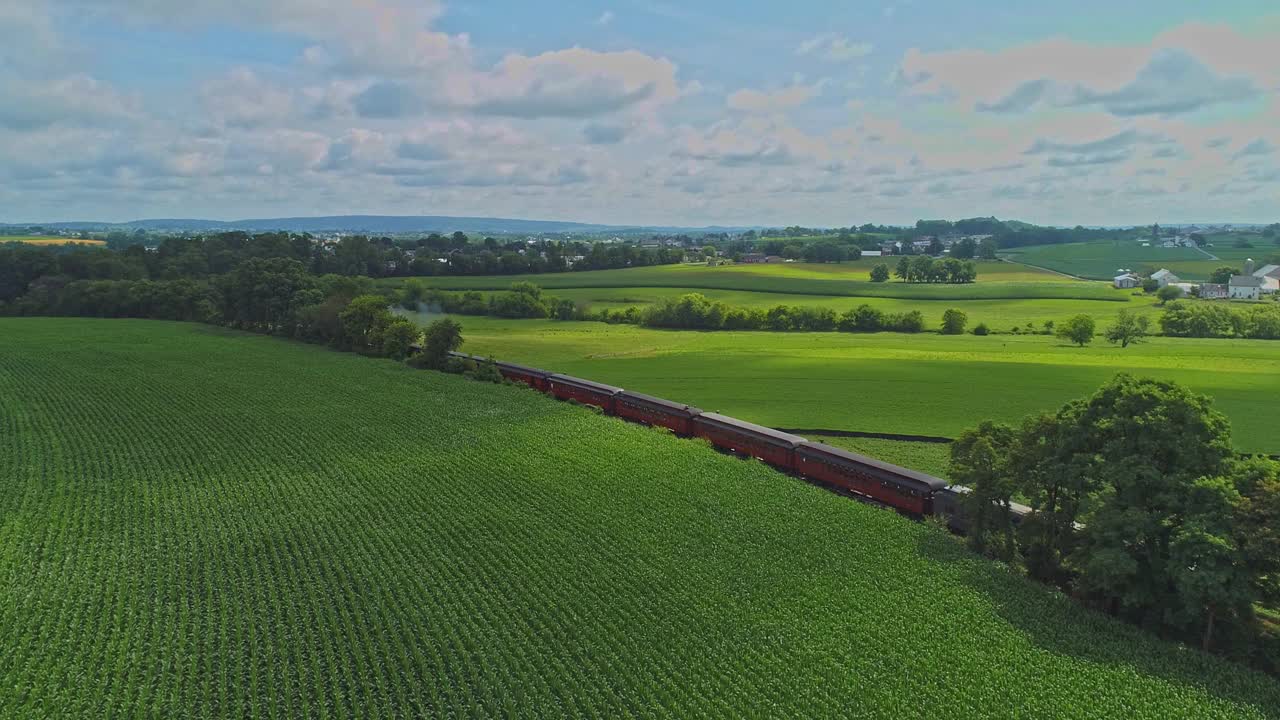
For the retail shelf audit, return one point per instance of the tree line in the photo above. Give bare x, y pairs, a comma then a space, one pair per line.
206, 256
1140, 507
924, 269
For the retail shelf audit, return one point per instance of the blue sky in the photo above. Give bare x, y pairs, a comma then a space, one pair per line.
630, 111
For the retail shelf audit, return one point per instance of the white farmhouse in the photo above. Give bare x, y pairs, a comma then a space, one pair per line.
1164, 277
1245, 287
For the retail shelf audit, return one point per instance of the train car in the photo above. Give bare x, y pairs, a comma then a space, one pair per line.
898, 487
948, 505
533, 377
567, 387
774, 447
656, 411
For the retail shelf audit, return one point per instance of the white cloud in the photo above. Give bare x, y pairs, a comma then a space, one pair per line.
242, 98
78, 99
834, 47
605, 18
574, 83
1188, 68
758, 101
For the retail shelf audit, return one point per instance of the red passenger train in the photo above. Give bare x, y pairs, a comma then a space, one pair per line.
908, 491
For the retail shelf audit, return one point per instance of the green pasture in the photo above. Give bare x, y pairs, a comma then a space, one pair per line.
996, 280
1101, 260
199, 523
887, 382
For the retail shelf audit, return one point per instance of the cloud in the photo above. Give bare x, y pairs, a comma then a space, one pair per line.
241, 98
388, 36
574, 83
388, 100
1112, 143
1023, 98
543, 174
836, 48
421, 151
77, 99
757, 101
605, 18
1087, 160
597, 134
1173, 82
1257, 148
1189, 68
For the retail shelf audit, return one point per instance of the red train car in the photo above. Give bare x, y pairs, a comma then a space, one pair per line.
656, 411
898, 487
533, 377
566, 387
774, 447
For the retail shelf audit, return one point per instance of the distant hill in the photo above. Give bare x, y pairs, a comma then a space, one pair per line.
389, 224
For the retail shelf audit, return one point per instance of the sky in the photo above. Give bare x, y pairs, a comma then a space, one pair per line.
729, 112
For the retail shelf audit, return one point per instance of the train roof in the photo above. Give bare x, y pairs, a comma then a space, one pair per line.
895, 471
504, 365
660, 402
590, 385
1016, 508
752, 428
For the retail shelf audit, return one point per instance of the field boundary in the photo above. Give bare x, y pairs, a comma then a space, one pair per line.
815, 292
1049, 270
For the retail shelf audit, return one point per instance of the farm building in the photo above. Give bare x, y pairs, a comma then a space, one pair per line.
1245, 287
1270, 276
752, 258
1214, 291
1128, 281
872, 253
1164, 277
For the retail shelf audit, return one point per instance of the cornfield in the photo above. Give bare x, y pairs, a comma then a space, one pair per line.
202, 524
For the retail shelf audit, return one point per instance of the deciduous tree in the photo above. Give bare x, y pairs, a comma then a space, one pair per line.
1128, 328
1078, 330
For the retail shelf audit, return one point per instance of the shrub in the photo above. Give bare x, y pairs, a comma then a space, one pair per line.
981, 329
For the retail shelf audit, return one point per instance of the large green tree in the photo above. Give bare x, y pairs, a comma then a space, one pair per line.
1078, 330
1151, 442
1128, 328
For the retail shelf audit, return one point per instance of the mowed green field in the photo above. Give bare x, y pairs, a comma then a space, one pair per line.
198, 523
887, 382
1103, 260
996, 280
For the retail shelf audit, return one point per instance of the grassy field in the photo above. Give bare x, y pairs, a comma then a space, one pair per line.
996, 280
999, 315
1102, 260
199, 523
887, 382
34, 240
